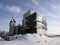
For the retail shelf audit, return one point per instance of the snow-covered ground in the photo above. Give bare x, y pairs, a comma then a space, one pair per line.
31, 39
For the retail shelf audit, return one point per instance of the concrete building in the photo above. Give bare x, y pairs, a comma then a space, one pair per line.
14, 29
19, 29
34, 23
12, 26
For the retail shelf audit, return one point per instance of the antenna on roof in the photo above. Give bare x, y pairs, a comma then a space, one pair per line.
12, 17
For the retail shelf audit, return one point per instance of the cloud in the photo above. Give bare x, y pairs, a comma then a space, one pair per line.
55, 22
55, 10
52, 15
36, 2
55, 6
14, 9
45, 11
54, 30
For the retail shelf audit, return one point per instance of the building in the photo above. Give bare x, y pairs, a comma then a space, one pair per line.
33, 23
19, 29
14, 29
12, 26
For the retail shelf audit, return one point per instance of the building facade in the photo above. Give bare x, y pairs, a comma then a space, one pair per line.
33, 23
14, 29
19, 29
12, 26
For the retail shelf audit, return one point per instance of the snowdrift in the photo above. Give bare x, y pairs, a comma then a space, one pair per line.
31, 39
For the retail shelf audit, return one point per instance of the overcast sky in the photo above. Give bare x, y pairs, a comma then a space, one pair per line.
50, 9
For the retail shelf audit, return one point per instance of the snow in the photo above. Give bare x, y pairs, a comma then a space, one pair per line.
31, 39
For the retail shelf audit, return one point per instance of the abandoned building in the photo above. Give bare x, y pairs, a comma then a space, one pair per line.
32, 23
14, 29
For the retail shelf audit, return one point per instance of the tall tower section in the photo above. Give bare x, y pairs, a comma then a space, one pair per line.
12, 26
